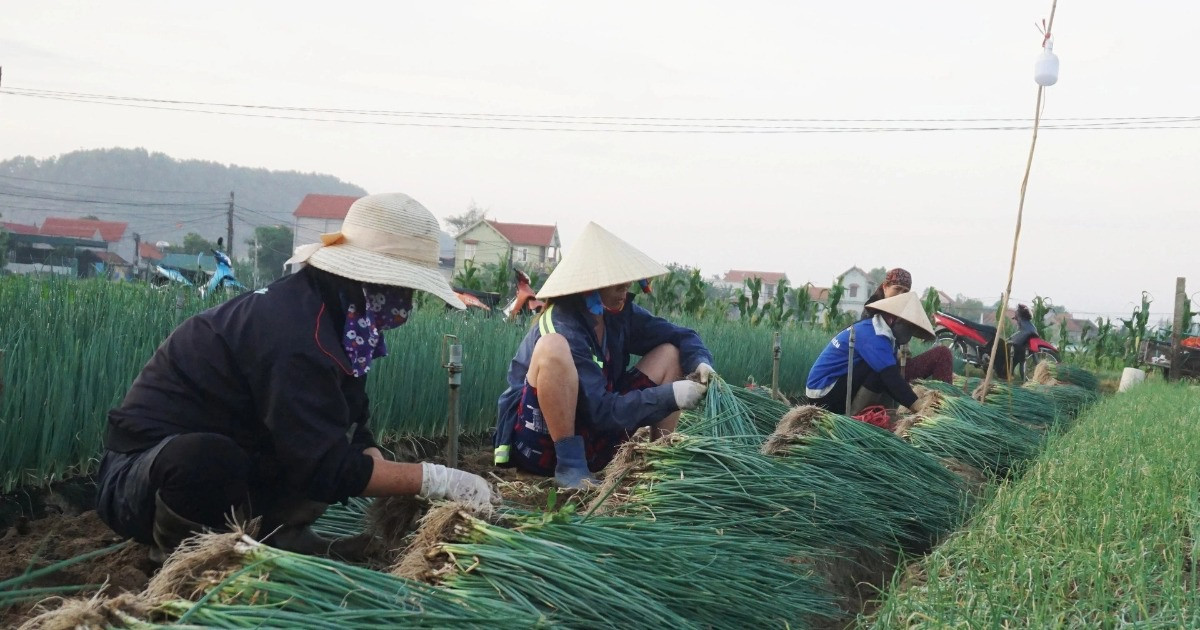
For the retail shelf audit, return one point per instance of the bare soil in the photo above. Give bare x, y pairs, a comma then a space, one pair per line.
39, 543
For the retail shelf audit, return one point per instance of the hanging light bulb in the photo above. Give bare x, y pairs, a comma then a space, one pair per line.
1045, 69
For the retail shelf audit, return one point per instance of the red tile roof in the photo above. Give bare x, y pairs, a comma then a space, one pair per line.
110, 231
526, 233
768, 277
149, 251
818, 294
324, 206
110, 258
20, 228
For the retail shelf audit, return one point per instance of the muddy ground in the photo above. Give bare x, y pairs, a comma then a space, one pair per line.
43, 527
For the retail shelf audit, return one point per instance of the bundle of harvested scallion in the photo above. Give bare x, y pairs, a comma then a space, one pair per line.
727, 486
617, 572
921, 498
723, 415
229, 580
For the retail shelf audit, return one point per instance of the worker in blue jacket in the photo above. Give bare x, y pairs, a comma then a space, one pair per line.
571, 399
894, 322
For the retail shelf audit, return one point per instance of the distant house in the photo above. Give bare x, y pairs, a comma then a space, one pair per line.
148, 253
19, 228
735, 280
858, 288
530, 246
80, 247
110, 232
317, 215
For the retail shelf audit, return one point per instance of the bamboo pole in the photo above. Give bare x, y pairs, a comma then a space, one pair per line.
982, 392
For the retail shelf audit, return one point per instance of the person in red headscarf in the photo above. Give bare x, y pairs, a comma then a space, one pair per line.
936, 363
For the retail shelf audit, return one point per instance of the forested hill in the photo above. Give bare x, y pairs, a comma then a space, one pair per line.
161, 198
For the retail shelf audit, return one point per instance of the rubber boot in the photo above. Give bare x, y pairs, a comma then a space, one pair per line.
288, 526
572, 469
862, 399
170, 529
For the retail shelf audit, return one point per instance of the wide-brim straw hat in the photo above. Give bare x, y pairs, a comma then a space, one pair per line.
906, 306
598, 259
389, 239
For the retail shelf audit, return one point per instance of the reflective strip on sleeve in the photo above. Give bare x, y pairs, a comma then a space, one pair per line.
501, 454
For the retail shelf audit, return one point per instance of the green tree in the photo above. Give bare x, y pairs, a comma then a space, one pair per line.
804, 306
1041, 308
468, 277
193, 243
473, 215
271, 246
932, 302
834, 317
877, 276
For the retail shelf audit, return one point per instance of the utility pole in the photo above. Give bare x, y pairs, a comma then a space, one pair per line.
229, 226
1177, 330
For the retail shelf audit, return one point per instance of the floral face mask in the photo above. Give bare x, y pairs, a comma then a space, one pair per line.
386, 307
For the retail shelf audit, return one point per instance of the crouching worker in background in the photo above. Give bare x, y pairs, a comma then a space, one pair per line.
894, 322
258, 407
570, 400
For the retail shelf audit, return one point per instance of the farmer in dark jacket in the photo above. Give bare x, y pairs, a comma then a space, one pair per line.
258, 407
571, 397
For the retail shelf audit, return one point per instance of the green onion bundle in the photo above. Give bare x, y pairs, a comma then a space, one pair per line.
623, 572
1020, 435
1069, 400
765, 410
264, 586
344, 520
723, 415
921, 498
1072, 375
725, 486
982, 446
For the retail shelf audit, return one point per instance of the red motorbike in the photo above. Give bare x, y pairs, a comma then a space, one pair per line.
525, 299
972, 344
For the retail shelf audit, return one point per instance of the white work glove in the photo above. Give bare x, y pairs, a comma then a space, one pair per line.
704, 371
440, 482
688, 393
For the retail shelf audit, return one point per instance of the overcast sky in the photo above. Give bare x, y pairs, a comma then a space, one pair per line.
1109, 213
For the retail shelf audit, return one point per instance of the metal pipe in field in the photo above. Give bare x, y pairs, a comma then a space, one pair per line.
850, 372
776, 352
453, 353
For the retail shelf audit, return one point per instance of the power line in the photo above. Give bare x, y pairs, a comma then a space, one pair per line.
561, 117
144, 190
1132, 123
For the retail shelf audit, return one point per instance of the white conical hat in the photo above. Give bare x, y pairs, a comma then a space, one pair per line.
906, 306
388, 238
597, 260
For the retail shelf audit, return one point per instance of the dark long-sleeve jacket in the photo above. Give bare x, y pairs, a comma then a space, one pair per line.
633, 331
266, 369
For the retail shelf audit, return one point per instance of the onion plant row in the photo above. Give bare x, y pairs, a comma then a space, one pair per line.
72, 348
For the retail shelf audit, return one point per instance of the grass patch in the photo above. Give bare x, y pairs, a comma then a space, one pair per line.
1100, 532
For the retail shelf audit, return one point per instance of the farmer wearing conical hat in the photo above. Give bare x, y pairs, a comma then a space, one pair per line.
258, 407
895, 321
935, 363
570, 400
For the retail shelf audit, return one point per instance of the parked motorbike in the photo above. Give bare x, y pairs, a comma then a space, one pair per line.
972, 344
223, 278
525, 299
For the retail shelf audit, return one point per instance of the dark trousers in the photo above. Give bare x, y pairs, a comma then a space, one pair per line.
203, 477
864, 376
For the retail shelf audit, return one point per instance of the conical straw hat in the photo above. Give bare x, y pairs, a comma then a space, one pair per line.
597, 260
906, 306
388, 238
